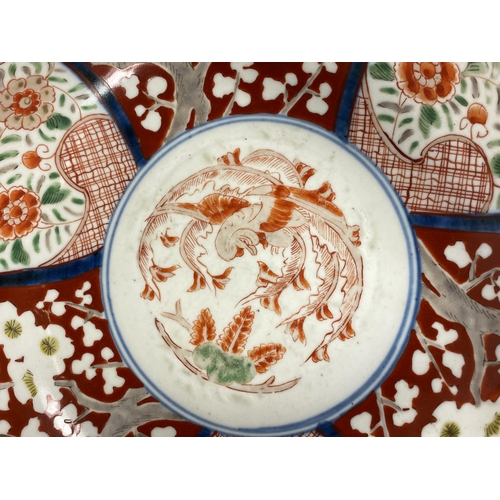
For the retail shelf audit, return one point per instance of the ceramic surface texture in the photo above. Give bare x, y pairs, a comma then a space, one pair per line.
210, 249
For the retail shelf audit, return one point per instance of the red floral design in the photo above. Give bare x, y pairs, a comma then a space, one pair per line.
26, 103
19, 212
427, 83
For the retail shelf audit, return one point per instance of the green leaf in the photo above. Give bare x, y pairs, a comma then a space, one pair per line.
487, 85
76, 88
448, 117
46, 137
475, 68
428, 117
58, 121
57, 79
36, 242
58, 236
389, 90
87, 108
53, 175
495, 165
493, 144
58, 216
14, 178
37, 66
11, 138
382, 71
54, 194
461, 100
8, 154
405, 122
77, 201
18, 254
28, 183
386, 118
413, 146
3, 246
62, 100
12, 70
4, 264
463, 85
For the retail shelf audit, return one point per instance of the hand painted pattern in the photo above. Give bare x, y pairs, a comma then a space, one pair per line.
261, 200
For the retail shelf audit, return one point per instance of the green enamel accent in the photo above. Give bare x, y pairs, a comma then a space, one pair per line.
461, 100
386, 118
223, 368
62, 100
49, 345
450, 429
88, 108
77, 201
18, 254
11, 138
45, 137
54, 194
4, 264
12, 329
58, 235
54, 175
3, 246
58, 216
36, 243
58, 121
495, 165
382, 71
14, 178
405, 122
413, 146
389, 90
12, 70
77, 87
57, 79
29, 382
8, 154
37, 66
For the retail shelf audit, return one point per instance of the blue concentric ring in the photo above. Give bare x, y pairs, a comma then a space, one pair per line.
400, 341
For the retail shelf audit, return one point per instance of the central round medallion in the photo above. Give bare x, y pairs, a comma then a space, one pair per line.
260, 276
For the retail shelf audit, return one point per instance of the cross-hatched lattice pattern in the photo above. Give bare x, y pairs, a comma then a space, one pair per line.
96, 158
453, 177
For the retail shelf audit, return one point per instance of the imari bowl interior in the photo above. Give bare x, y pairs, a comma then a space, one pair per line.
249, 249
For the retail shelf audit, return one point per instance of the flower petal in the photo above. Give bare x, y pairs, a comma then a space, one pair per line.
15, 86
34, 215
14, 122
48, 94
35, 82
17, 192
31, 199
4, 113
5, 99
6, 231
23, 228
45, 111
31, 122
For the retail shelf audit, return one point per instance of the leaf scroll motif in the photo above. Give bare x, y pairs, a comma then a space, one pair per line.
203, 328
264, 356
235, 335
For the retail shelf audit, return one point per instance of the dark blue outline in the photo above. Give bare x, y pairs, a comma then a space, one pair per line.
111, 103
475, 223
348, 99
401, 340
